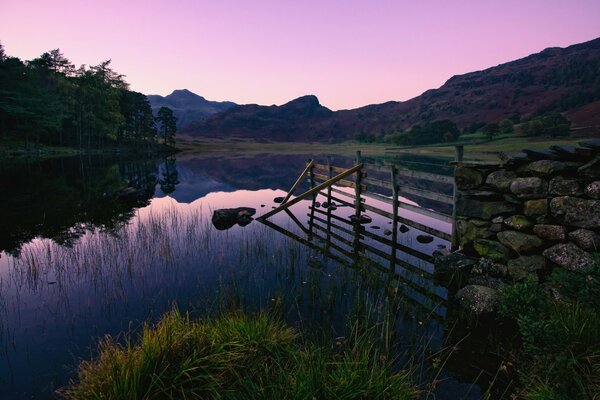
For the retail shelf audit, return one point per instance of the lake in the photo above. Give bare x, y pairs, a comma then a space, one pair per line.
98, 245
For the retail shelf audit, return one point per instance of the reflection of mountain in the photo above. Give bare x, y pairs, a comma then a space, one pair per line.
193, 185
61, 198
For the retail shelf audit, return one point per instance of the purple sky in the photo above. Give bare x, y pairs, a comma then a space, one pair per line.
348, 53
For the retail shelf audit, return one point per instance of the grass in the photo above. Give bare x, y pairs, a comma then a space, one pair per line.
236, 356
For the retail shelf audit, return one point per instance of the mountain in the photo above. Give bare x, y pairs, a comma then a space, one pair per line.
188, 106
556, 79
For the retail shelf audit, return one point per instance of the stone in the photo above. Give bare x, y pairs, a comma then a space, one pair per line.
586, 239
529, 188
569, 256
498, 220
513, 158
591, 169
526, 267
488, 267
521, 243
468, 230
518, 222
550, 232
332, 207
362, 219
451, 266
487, 281
593, 190
467, 178
543, 168
225, 218
539, 154
387, 232
536, 207
375, 227
501, 180
495, 228
479, 300
403, 228
278, 200
559, 186
491, 249
573, 211
424, 239
325, 204
317, 204
483, 195
466, 207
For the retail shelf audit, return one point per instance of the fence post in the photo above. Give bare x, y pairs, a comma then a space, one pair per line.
311, 222
394, 216
458, 158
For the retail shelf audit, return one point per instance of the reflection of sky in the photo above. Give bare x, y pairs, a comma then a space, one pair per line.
61, 298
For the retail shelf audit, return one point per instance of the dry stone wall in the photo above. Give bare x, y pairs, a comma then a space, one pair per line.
537, 210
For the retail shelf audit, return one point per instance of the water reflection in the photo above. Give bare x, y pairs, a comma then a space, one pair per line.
84, 256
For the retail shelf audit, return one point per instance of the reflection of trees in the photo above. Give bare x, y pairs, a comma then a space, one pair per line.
169, 176
63, 198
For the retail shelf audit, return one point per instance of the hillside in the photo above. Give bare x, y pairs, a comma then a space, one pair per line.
188, 106
556, 79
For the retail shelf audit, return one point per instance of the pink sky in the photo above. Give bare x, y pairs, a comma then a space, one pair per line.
348, 53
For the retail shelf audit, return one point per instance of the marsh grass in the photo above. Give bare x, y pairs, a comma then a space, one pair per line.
236, 356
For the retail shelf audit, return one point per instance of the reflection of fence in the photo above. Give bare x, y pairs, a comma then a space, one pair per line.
347, 240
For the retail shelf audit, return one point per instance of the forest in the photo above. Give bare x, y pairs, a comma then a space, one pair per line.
49, 101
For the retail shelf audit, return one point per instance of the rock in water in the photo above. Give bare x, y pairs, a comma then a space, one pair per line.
225, 218
424, 239
278, 200
363, 219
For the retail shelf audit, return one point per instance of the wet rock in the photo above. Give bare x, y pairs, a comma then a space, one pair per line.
521, 243
525, 267
403, 228
536, 207
561, 186
501, 180
387, 232
479, 300
278, 200
491, 249
424, 239
586, 239
543, 168
317, 204
569, 257
332, 207
467, 178
529, 188
577, 212
375, 227
325, 204
550, 232
362, 219
262, 205
518, 222
225, 218
593, 190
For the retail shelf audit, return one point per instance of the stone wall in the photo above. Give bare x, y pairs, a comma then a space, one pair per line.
537, 210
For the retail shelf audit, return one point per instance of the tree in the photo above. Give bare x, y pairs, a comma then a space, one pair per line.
506, 126
168, 126
2, 53
491, 130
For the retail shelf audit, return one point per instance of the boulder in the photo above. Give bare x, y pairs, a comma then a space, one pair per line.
521, 243
489, 268
491, 249
518, 222
529, 188
387, 232
501, 180
586, 239
225, 218
424, 239
403, 228
560, 186
569, 257
573, 211
593, 190
550, 232
479, 300
525, 267
536, 207
467, 178
278, 200
362, 219
543, 168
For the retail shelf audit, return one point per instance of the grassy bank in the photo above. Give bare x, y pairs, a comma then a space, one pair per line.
236, 356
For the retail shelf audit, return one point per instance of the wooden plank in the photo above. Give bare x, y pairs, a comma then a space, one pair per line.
419, 210
343, 182
295, 185
312, 191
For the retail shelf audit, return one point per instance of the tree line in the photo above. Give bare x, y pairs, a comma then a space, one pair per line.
48, 100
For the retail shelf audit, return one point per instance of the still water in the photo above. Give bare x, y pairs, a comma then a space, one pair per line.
91, 246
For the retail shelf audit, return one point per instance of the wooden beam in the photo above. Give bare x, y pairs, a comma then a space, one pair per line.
295, 185
316, 189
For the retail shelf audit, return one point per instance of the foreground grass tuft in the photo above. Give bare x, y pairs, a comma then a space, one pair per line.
235, 356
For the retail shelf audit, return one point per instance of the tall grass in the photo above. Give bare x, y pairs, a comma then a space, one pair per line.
236, 356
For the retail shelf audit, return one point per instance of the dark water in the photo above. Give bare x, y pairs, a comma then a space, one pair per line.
80, 257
